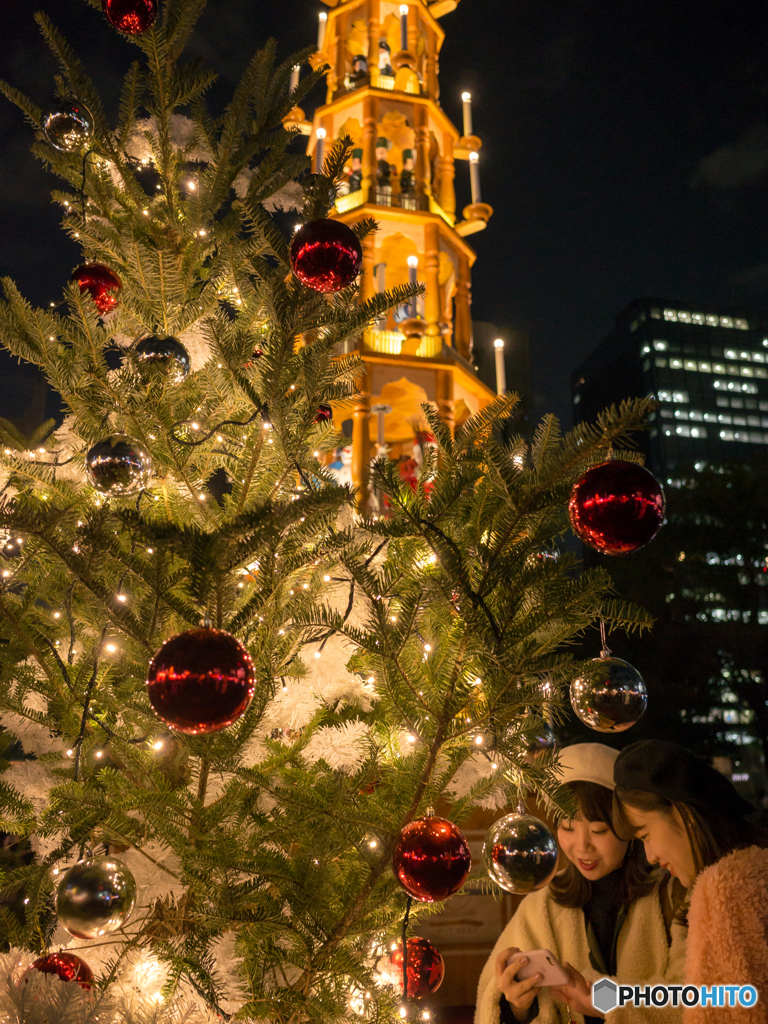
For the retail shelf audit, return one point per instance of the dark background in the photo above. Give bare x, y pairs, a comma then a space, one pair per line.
625, 153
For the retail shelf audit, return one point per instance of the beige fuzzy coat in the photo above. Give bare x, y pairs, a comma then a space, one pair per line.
643, 955
728, 934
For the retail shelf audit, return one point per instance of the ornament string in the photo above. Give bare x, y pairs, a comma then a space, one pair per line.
605, 651
83, 200
409, 901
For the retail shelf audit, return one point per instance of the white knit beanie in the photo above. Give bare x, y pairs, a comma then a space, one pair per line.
588, 762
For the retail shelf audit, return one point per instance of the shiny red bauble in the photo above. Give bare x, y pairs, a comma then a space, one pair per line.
616, 507
425, 968
66, 966
101, 283
323, 414
130, 16
326, 255
431, 859
200, 681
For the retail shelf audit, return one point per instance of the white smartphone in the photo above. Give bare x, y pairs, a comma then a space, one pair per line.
543, 962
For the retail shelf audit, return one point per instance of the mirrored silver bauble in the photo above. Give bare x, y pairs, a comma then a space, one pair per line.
611, 698
118, 466
161, 357
529, 735
68, 126
95, 897
520, 853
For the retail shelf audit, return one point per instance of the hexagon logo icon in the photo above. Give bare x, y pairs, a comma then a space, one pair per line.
605, 995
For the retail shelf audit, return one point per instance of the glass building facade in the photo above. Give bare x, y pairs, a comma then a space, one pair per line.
707, 369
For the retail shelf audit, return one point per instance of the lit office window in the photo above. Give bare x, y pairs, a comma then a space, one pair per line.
656, 315
690, 364
718, 367
660, 346
727, 435
723, 417
741, 325
705, 367
731, 353
758, 357
675, 364
660, 362
645, 350
697, 318
725, 321
673, 396
732, 385
745, 355
683, 317
747, 371
712, 321
670, 314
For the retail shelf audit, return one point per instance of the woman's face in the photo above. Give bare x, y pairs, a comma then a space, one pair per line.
666, 841
591, 846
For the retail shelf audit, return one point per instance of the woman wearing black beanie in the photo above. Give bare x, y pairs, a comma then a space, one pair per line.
694, 824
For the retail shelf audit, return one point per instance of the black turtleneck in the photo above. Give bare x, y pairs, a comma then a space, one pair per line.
604, 914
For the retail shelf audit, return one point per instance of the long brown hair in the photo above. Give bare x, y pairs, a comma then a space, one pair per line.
711, 838
569, 887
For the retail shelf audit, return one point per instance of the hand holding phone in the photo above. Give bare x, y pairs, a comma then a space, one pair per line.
543, 962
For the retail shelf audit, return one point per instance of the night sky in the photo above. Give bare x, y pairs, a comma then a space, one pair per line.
625, 152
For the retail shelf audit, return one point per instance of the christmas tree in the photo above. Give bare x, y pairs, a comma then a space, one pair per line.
221, 682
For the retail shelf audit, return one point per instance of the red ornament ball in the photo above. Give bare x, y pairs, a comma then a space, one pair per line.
425, 967
326, 255
66, 966
100, 282
616, 507
200, 681
431, 859
130, 16
323, 414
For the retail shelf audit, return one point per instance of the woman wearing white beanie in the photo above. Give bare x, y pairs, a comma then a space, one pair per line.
604, 912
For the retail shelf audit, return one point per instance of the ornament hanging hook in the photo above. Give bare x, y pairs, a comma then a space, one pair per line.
605, 651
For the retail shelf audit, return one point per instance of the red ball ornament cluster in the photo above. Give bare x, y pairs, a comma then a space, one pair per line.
130, 16
66, 966
323, 414
101, 283
200, 681
431, 859
326, 255
616, 507
424, 969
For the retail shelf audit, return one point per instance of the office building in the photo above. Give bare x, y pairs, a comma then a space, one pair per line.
707, 368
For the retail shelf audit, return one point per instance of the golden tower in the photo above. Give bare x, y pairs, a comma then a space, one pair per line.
383, 91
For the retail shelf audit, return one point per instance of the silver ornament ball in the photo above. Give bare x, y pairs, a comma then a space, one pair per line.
118, 466
95, 897
161, 357
611, 698
68, 126
520, 853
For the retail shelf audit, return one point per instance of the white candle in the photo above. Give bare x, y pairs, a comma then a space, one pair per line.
413, 262
467, 100
323, 18
295, 77
474, 176
501, 376
403, 26
320, 150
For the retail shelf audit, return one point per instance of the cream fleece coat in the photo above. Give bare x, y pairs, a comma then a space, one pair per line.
728, 935
642, 956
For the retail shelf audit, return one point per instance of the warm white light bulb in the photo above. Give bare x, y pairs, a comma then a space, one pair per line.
320, 133
474, 157
466, 96
323, 16
499, 343
403, 8
413, 261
